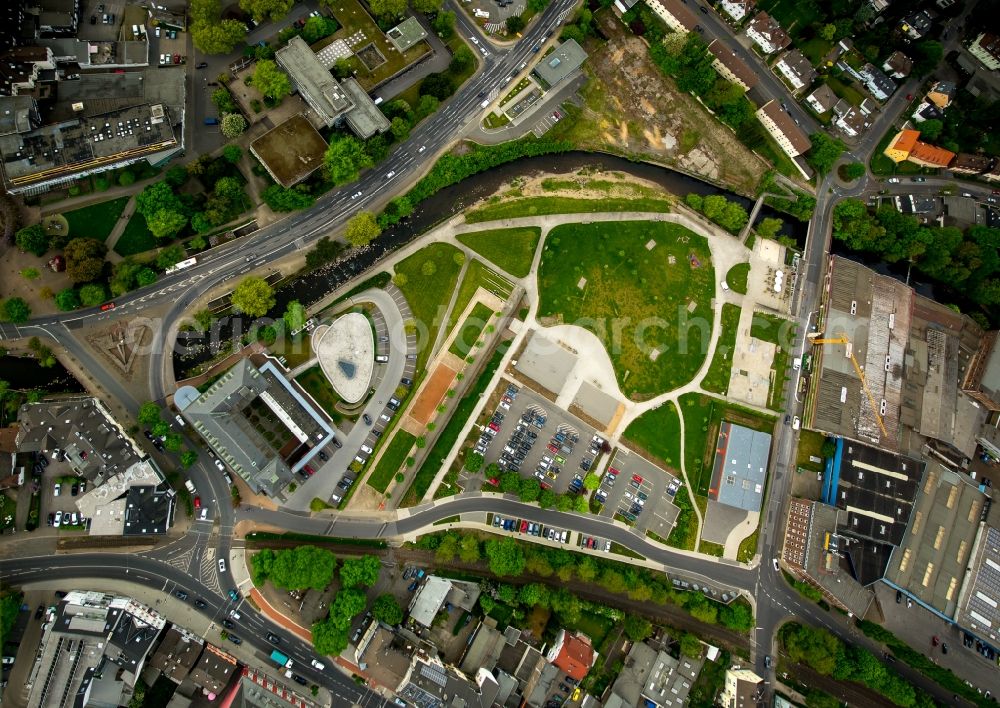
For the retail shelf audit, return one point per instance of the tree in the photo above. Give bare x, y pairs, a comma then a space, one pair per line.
33, 239
853, 170
360, 572
592, 481
349, 603
468, 549
264, 10
232, 153
281, 199
173, 442
428, 7
529, 489
505, 556
824, 152
16, 310
170, 256
474, 461
515, 23
316, 28
149, 414
691, 645
927, 55
362, 228
295, 316
271, 81
166, 224
219, 37
297, 568
46, 359
344, 159
386, 609
462, 60
30, 273
444, 24
176, 176
329, 639
440, 86
400, 128
827, 32
636, 628
92, 294
510, 482
769, 227
930, 130
126, 178
188, 458
253, 297
387, 8
84, 259
233, 125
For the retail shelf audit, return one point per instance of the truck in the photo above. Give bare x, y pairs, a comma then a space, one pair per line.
189, 485
280, 659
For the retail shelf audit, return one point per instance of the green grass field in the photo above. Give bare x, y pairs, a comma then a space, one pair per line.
702, 416
136, 238
658, 432
477, 275
314, 382
430, 277
773, 329
468, 334
810, 445
776, 395
391, 460
510, 249
737, 277
97, 220
541, 206
634, 299
717, 378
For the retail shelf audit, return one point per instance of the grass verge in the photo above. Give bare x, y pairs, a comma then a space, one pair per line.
510, 249
391, 460
97, 220
717, 377
737, 277
541, 206
136, 238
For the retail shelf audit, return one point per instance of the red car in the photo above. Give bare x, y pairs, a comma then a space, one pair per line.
494, 426
309, 470
909, 97
494, 481
553, 448
524, 526
197, 502
612, 471
637, 478
935, 641
107, 306
177, 58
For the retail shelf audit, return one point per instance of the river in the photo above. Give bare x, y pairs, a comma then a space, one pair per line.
310, 288
24, 373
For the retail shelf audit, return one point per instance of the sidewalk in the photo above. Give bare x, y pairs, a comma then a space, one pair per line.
112, 240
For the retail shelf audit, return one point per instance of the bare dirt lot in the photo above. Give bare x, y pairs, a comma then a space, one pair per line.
631, 107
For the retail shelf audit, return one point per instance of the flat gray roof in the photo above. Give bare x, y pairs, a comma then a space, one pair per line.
740, 467
313, 81
566, 59
406, 34
598, 404
365, 119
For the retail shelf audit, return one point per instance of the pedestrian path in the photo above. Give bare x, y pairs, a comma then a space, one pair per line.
112, 240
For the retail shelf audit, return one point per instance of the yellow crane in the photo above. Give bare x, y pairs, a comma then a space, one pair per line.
842, 339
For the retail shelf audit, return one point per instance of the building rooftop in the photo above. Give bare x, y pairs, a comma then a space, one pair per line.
573, 654
796, 62
428, 599
979, 603
96, 447
177, 653
968, 162
898, 63
727, 57
365, 119
431, 684
133, 637
291, 151
795, 135
825, 97
740, 467
85, 143
556, 66
213, 670
95, 94
107, 505
652, 677
148, 510
931, 562
314, 81
222, 416
406, 34
931, 154
767, 27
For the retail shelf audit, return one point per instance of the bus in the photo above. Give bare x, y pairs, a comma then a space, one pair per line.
182, 265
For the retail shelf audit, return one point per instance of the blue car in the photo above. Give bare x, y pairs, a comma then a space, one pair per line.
412, 586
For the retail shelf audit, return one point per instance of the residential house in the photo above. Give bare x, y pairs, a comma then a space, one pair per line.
878, 84
942, 94
177, 653
744, 689
906, 145
652, 677
731, 67
738, 9
573, 654
822, 99
986, 48
838, 50
916, 24
851, 122
879, 6
969, 164
927, 111
898, 65
767, 34
794, 66
675, 14
782, 128
213, 670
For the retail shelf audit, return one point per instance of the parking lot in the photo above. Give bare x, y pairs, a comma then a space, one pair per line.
639, 493
531, 435
531, 528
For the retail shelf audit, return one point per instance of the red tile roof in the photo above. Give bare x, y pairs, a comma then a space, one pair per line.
576, 655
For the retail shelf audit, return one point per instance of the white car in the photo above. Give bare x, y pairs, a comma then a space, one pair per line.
628, 495
893, 180
58, 520
55, 489
222, 565
391, 174
218, 463
318, 666
774, 561
422, 148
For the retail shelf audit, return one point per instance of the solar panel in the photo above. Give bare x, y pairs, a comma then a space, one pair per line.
433, 673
